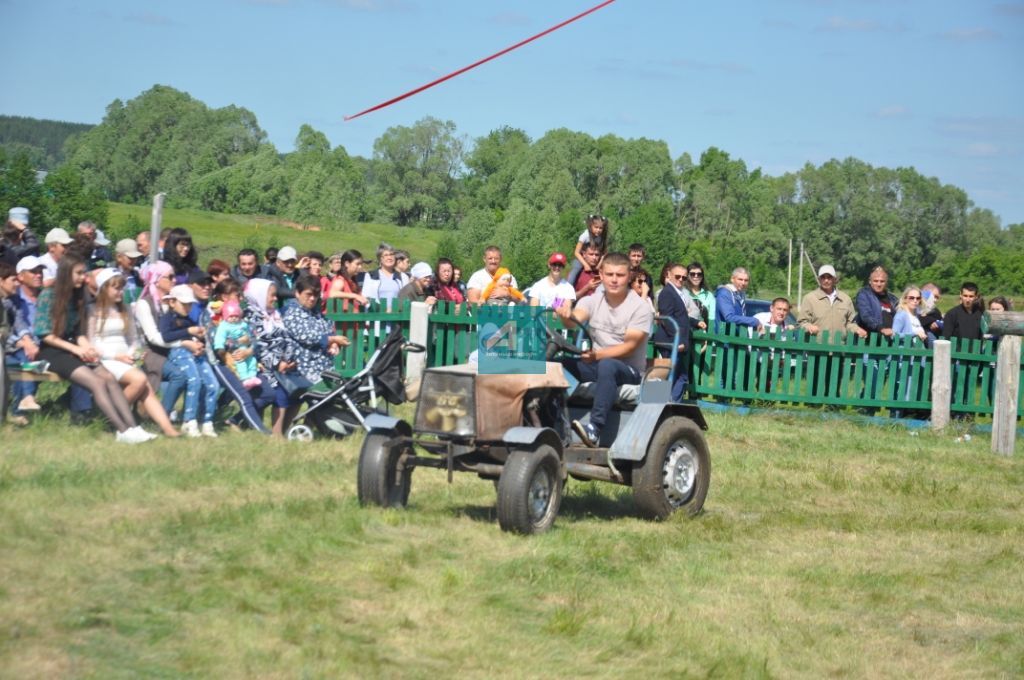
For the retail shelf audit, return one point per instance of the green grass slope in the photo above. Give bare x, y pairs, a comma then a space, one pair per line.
220, 235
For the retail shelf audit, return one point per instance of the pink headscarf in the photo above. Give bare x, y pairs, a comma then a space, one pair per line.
153, 274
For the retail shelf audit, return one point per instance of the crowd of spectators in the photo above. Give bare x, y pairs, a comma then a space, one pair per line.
124, 328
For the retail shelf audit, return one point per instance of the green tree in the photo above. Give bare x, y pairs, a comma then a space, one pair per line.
324, 185
416, 172
162, 141
70, 201
20, 187
493, 164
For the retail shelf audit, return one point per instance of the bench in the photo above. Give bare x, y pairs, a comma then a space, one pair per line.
17, 375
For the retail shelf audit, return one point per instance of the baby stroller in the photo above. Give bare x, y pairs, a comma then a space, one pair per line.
340, 409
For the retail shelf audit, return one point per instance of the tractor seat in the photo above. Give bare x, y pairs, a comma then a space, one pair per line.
583, 395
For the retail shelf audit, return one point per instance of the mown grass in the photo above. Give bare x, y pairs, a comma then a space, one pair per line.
824, 550
221, 235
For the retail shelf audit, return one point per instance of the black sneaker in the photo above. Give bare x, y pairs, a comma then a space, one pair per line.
587, 432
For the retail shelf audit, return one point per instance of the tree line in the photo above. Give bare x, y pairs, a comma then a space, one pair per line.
42, 140
530, 196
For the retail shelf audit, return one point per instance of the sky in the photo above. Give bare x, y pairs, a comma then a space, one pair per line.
927, 84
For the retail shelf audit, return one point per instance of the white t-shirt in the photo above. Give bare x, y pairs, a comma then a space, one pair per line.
608, 325
481, 279
49, 267
765, 318
547, 292
383, 287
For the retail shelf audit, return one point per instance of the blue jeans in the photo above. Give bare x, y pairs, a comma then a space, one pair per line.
181, 370
210, 389
20, 388
609, 375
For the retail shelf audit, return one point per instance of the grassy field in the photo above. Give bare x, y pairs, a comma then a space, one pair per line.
824, 550
220, 235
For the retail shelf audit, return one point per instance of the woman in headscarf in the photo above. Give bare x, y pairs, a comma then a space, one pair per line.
274, 349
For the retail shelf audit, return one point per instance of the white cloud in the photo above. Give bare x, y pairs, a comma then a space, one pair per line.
150, 19
982, 150
845, 25
371, 5
894, 111
964, 35
697, 65
511, 19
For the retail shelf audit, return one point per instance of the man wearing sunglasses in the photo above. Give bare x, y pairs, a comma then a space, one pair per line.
672, 303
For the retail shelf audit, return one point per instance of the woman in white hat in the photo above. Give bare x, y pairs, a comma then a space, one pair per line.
111, 330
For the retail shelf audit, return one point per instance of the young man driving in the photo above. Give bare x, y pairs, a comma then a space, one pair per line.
619, 322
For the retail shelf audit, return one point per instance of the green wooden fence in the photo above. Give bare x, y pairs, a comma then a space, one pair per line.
877, 372
786, 367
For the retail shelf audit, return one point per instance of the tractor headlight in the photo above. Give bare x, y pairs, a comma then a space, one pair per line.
446, 404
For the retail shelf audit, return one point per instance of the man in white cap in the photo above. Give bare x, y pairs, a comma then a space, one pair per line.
283, 273
827, 308
830, 310
420, 286
57, 241
126, 254
22, 344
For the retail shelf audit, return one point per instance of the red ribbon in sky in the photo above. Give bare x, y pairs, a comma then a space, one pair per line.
482, 61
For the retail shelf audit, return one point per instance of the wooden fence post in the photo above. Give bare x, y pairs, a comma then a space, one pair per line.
419, 321
941, 384
156, 218
1004, 418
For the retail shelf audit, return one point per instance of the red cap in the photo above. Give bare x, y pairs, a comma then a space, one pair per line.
557, 258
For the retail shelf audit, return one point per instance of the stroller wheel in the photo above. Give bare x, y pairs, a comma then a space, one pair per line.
300, 433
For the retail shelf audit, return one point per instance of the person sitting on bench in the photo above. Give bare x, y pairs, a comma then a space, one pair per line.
619, 322
60, 323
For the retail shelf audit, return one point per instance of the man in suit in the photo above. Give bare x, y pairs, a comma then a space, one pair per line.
672, 303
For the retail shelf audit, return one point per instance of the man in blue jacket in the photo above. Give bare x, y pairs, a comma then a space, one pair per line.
731, 308
731, 302
876, 307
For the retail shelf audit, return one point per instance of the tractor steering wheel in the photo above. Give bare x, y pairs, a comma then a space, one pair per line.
557, 342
